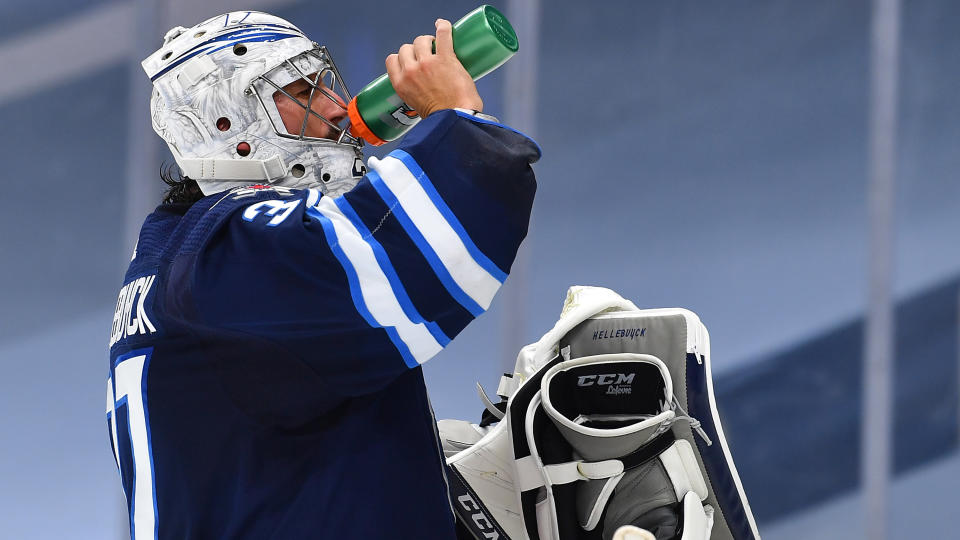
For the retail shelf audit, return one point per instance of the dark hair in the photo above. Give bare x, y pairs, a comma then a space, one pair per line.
182, 188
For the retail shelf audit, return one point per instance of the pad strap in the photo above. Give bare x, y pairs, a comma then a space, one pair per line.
529, 476
648, 451
697, 518
508, 385
489, 405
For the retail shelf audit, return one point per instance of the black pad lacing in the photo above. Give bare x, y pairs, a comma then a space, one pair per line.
488, 417
648, 451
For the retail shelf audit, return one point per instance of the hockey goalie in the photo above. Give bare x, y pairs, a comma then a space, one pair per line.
607, 429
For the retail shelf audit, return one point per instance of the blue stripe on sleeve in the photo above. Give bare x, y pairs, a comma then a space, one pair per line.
431, 256
398, 289
478, 256
355, 292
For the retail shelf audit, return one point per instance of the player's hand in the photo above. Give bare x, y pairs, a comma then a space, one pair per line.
429, 82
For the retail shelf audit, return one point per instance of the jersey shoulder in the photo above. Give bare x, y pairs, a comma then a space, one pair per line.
257, 204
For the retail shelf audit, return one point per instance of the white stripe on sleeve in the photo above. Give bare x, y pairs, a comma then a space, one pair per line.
380, 301
429, 221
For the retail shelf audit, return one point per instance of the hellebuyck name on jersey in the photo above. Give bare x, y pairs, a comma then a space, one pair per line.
130, 316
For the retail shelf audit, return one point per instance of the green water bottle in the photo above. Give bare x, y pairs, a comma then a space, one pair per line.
482, 40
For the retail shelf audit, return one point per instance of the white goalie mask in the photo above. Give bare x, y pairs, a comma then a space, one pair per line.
213, 103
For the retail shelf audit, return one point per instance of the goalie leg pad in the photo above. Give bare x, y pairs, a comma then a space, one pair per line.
620, 428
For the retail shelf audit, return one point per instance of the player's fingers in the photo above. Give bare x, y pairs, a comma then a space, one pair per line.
423, 47
444, 38
406, 56
393, 66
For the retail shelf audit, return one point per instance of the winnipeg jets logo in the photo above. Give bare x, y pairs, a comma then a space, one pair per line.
279, 210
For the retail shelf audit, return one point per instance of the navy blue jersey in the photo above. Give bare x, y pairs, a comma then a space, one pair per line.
265, 353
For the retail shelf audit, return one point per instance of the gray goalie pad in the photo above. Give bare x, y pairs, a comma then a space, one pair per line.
610, 420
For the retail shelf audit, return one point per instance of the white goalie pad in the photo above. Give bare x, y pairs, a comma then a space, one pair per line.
608, 421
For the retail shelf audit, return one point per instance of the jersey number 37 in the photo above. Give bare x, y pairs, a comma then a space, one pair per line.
129, 424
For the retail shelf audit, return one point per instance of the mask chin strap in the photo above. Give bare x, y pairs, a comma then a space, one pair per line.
265, 170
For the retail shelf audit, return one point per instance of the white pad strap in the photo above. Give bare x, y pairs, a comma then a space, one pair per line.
598, 470
697, 519
497, 413
529, 476
681, 465
508, 386
563, 473
233, 169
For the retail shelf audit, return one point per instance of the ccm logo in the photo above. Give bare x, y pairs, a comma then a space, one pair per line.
605, 379
480, 520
